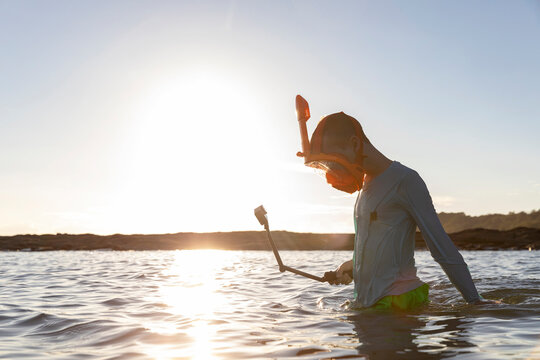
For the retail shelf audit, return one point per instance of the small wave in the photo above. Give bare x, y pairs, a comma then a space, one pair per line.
310, 351
151, 314
116, 302
300, 312
129, 355
121, 337
35, 319
73, 330
515, 296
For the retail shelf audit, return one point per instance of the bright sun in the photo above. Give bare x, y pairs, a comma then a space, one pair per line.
190, 144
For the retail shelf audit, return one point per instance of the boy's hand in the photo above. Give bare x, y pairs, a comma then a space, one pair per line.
343, 274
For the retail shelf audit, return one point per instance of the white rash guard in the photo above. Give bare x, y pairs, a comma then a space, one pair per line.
387, 211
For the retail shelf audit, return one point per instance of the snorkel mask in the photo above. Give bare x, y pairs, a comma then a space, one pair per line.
340, 173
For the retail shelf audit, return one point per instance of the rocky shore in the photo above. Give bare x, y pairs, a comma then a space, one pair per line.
474, 239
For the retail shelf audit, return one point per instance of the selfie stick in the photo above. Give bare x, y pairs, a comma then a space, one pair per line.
260, 213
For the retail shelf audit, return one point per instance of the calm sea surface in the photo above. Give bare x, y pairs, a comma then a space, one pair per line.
209, 304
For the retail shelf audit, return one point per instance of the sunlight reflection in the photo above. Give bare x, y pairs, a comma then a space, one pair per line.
202, 346
189, 290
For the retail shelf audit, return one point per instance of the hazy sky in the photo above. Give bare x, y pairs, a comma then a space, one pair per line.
155, 116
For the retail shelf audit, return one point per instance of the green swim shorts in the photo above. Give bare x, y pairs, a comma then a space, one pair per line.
406, 301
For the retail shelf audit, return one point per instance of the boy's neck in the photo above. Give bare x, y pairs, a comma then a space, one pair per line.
375, 164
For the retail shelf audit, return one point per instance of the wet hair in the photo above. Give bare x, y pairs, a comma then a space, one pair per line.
334, 131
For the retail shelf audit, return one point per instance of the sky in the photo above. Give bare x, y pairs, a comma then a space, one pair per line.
178, 116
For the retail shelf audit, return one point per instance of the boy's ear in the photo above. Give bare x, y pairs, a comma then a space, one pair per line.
356, 143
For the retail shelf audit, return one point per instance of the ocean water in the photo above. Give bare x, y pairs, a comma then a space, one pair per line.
211, 304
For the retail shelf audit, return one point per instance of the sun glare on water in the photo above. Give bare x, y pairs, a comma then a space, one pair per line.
190, 292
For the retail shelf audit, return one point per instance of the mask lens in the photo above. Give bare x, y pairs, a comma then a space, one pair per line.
337, 175
325, 167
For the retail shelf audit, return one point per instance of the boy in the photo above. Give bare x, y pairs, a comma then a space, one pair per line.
393, 201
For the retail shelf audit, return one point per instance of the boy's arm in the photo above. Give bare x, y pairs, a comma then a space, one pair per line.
420, 206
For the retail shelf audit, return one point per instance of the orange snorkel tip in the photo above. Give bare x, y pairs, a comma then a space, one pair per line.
302, 114
302, 109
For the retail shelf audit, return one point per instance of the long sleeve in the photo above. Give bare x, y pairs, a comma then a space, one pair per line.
420, 206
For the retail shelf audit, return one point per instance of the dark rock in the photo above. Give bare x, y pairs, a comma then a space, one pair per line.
520, 238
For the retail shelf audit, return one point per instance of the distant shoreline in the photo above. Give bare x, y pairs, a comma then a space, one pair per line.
521, 238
